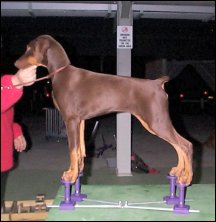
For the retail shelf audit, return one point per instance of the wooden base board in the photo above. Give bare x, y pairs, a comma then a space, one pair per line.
25, 210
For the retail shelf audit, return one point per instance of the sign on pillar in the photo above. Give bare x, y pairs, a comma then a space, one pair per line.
124, 37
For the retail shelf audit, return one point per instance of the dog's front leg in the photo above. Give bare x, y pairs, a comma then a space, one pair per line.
73, 131
81, 150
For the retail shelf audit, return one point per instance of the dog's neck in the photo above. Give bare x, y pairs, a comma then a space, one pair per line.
56, 67
52, 74
56, 58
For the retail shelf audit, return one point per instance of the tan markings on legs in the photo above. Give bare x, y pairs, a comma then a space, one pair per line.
72, 173
187, 153
72, 127
183, 170
82, 146
177, 171
82, 138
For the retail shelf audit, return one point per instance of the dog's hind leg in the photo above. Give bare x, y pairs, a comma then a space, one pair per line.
73, 134
164, 129
184, 169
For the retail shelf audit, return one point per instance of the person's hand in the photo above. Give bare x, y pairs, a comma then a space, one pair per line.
24, 77
20, 143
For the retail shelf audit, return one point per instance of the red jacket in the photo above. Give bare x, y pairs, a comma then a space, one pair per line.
9, 129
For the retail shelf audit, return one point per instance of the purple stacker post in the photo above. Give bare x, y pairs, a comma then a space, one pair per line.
181, 208
172, 198
67, 204
77, 195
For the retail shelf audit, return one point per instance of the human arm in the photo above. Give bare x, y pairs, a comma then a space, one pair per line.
11, 86
9, 96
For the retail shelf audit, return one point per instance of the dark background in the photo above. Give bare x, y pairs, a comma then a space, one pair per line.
91, 43
96, 37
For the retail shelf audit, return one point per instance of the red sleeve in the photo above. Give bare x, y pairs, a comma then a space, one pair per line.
17, 130
9, 96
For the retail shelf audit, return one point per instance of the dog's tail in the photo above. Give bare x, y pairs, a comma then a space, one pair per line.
162, 80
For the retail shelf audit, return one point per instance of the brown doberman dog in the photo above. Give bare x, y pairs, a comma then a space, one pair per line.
81, 94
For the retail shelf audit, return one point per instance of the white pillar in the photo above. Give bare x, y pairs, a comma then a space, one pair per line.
124, 18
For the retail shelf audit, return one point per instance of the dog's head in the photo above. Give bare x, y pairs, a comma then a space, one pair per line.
35, 53
43, 51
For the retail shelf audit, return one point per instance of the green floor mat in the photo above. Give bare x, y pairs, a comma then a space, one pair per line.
199, 197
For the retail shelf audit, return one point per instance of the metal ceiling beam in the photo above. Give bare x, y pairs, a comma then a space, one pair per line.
56, 9
141, 9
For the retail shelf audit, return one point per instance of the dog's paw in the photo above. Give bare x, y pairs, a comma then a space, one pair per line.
70, 175
185, 179
175, 171
183, 176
